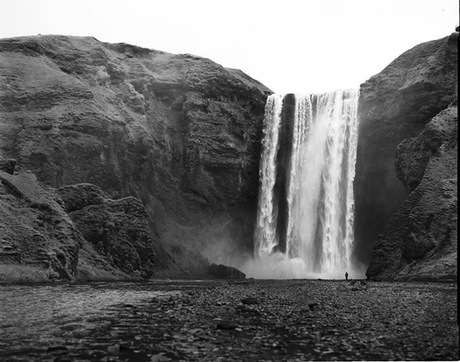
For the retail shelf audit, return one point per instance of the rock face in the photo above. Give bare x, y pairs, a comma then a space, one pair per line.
35, 231
179, 132
118, 229
40, 242
420, 239
394, 105
7, 166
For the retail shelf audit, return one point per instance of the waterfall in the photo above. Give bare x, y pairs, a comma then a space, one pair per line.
306, 203
265, 239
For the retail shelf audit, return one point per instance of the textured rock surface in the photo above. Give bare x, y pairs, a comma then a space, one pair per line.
7, 166
35, 231
118, 229
179, 132
413, 154
39, 241
225, 272
420, 239
394, 105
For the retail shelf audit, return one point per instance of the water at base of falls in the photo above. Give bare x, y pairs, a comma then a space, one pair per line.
305, 213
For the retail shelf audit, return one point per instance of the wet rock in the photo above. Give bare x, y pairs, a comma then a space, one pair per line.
63, 359
247, 311
114, 349
160, 357
57, 348
249, 300
225, 272
226, 325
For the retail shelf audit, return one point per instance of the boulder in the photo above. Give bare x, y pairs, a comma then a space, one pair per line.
225, 272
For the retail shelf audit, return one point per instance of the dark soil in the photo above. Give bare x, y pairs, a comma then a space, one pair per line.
267, 320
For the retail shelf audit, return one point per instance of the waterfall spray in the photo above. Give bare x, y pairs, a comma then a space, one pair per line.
306, 204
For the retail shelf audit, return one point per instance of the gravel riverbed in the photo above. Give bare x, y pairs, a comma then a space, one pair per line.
250, 320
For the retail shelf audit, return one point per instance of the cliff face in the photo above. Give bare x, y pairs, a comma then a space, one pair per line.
179, 132
117, 229
394, 105
420, 239
40, 242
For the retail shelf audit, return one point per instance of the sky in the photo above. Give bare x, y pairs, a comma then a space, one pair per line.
291, 46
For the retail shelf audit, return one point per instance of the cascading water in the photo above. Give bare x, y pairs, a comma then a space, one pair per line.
305, 214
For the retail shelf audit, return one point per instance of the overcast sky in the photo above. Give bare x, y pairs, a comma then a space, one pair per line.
298, 46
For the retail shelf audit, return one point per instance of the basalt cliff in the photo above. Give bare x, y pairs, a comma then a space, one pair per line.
119, 162
406, 172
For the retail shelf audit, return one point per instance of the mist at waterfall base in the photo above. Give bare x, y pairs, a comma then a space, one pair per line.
305, 214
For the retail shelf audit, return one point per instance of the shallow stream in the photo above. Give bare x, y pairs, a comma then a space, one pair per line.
50, 321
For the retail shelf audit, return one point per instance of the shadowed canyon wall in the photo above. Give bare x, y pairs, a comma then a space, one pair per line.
395, 106
178, 132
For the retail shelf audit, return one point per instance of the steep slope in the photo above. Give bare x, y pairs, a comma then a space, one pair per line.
179, 132
420, 239
394, 105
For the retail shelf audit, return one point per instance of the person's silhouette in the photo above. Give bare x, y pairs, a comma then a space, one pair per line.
346, 275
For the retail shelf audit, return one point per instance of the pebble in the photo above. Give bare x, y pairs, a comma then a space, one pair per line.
326, 321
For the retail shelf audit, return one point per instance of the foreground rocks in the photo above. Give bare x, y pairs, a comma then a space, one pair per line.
275, 320
178, 132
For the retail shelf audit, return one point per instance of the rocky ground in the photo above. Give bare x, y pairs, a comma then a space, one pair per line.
256, 320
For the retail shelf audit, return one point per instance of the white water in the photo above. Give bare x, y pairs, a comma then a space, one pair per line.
267, 213
320, 202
